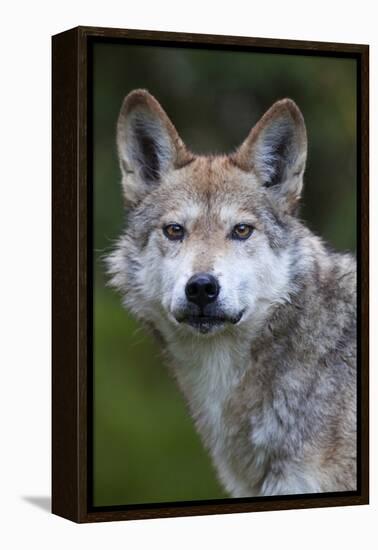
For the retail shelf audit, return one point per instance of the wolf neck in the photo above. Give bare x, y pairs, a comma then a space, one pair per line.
207, 372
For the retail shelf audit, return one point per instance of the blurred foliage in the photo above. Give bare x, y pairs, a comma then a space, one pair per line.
145, 447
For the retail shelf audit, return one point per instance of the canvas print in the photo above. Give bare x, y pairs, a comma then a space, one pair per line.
224, 342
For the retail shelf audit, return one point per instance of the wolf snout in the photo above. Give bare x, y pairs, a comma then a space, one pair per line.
202, 289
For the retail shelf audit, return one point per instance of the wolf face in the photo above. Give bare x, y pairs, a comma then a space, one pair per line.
207, 246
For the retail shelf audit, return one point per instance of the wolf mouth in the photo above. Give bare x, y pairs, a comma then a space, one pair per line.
205, 323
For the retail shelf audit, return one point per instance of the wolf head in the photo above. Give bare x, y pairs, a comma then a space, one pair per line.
206, 247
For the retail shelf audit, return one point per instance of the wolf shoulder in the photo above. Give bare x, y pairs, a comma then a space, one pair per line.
338, 300
324, 307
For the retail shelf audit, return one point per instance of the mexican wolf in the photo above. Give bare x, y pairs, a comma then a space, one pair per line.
256, 316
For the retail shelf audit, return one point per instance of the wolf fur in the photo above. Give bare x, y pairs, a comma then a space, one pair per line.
269, 371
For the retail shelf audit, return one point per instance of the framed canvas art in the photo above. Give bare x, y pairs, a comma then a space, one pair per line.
210, 274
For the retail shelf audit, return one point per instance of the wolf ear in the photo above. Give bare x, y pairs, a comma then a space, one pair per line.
148, 145
276, 151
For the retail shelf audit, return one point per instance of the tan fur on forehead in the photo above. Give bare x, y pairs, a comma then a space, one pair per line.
214, 176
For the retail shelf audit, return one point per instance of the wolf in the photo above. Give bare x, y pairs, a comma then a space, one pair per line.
256, 315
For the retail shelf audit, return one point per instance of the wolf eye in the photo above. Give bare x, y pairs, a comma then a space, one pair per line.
174, 231
242, 231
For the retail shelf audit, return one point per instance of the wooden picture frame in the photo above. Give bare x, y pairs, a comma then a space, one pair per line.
72, 219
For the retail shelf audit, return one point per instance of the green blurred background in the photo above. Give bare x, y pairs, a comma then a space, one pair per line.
145, 447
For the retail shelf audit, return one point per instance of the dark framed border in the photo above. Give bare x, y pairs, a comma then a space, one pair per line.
72, 297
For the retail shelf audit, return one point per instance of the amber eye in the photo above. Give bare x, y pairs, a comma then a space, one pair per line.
174, 231
242, 231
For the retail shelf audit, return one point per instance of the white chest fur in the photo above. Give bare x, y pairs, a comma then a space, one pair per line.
207, 372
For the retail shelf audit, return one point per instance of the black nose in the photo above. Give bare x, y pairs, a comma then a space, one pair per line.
202, 289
